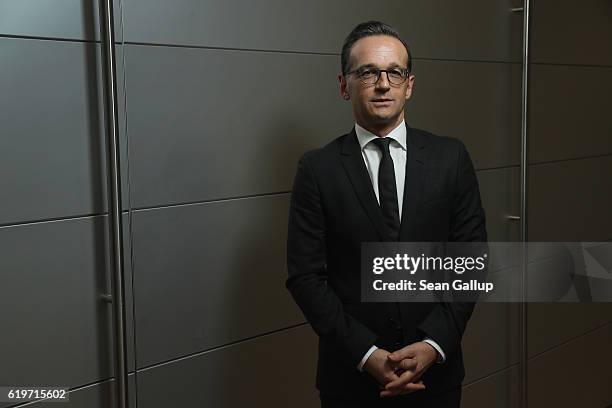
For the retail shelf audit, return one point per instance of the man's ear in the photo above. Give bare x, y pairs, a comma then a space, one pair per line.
410, 86
343, 87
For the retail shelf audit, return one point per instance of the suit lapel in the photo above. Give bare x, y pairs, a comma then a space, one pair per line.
352, 160
413, 184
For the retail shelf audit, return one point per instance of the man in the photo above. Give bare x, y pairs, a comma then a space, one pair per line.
382, 181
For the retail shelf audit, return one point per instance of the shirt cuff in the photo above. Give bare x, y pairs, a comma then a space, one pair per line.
365, 357
441, 356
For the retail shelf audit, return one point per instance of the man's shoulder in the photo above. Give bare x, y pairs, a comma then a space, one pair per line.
436, 140
326, 152
437, 143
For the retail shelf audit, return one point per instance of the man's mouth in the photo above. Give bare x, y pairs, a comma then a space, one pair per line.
382, 102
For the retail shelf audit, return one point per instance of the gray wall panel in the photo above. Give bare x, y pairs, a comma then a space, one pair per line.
500, 195
276, 370
56, 328
570, 200
181, 154
569, 112
129, 290
434, 29
206, 124
210, 274
569, 32
576, 374
500, 389
551, 324
98, 395
498, 323
478, 103
52, 153
67, 19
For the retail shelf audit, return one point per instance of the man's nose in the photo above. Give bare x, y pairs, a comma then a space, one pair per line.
383, 81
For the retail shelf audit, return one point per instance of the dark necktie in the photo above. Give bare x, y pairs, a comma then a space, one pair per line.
387, 190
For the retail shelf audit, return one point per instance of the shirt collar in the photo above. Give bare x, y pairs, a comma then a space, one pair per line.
398, 134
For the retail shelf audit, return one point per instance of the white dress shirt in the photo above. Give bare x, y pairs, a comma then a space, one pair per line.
372, 156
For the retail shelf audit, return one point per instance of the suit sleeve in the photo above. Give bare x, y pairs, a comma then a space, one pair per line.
307, 268
447, 321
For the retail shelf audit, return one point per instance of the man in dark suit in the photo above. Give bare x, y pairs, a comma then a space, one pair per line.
382, 181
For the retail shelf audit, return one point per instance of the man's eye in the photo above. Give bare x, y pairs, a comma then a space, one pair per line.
396, 73
368, 72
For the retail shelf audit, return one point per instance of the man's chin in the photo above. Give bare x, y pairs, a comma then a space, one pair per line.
382, 118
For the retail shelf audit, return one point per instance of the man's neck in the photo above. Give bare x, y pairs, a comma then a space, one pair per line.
381, 130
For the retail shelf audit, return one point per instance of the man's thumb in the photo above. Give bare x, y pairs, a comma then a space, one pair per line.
394, 356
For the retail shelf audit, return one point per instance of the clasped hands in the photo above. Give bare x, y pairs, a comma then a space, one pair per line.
399, 372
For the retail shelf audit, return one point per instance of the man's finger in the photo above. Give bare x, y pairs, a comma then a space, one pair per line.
406, 389
405, 378
390, 377
387, 378
407, 364
406, 352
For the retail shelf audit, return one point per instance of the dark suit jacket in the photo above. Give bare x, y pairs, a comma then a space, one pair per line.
333, 210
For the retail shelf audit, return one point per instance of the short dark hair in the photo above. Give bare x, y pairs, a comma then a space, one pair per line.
367, 29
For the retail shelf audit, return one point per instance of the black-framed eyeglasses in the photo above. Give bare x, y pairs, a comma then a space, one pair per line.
371, 75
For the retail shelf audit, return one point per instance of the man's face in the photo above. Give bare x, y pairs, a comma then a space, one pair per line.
383, 52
